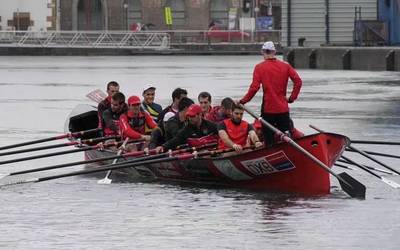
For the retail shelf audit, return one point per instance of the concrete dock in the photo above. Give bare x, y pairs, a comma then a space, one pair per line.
344, 58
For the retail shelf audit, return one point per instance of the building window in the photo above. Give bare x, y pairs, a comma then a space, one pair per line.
178, 13
90, 15
219, 11
21, 21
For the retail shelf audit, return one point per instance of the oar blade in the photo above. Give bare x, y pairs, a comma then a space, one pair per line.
105, 180
351, 186
390, 183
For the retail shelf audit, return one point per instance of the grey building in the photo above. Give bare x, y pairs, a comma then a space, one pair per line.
325, 22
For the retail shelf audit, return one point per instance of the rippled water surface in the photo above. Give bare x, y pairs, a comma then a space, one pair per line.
37, 93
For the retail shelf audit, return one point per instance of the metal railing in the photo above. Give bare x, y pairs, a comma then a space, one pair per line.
157, 40
86, 39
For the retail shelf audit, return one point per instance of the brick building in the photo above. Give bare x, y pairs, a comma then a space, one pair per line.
186, 14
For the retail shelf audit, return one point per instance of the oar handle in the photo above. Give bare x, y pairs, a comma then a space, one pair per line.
376, 142
67, 135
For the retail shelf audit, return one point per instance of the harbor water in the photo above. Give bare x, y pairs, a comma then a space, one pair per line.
37, 94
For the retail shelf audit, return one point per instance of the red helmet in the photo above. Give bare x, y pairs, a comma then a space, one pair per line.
193, 110
134, 100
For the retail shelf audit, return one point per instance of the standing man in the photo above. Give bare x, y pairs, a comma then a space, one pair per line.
148, 104
112, 88
204, 99
273, 75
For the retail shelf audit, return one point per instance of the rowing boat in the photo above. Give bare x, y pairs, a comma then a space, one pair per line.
277, 168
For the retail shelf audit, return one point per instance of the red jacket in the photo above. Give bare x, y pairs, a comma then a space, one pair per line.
237, 133
273, 75
134, 126
215, 115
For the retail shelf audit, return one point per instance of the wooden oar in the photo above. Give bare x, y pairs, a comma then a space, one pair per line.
361, 152
369, 167
170, 156
126, 155
67, 135
349, 185
85, 148
376, 142
387, 181
376, 153
107, 180
70, 164
97, 95
343, 166
71, 143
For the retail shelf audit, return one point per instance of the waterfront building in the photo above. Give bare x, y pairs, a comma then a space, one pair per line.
169, 14
37, 15
340, 22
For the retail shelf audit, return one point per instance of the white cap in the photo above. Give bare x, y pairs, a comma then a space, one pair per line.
148, 86
268, 46
168, 116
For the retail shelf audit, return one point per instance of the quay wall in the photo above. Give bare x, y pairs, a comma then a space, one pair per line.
344, 58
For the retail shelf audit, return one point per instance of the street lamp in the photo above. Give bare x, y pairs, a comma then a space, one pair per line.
126, 15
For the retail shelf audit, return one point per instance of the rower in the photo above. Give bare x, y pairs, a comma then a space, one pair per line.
148, 104
196, 131
112, 88
112, 114
177, 95
177, 121
236, 133
220, 113
158, 134
133, 122
204, 99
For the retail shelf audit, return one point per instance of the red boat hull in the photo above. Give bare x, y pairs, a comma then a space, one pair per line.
279, 168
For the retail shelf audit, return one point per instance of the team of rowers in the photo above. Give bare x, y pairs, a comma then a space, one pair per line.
182, 122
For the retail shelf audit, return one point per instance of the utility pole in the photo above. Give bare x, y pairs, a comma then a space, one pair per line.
58, 17
17, 19
126, 14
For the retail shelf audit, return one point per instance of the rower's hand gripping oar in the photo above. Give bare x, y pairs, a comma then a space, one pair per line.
349, 185
387, 181
107, 180
53, 138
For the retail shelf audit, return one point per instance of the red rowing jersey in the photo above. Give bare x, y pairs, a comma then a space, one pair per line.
273, 75
238, 133
134, 126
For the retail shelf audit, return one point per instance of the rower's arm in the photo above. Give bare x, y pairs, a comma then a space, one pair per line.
254, 86
296, 84
126, 129
225, 138
109, 122
180, 138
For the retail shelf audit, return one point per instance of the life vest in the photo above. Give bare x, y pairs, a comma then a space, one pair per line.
196, 142
237, 133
